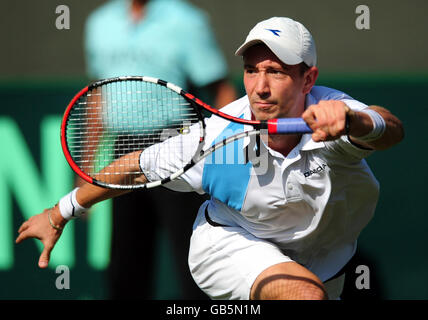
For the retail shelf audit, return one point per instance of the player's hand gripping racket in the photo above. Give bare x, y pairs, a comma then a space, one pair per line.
116, 117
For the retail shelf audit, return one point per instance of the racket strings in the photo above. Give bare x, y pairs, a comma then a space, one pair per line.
120, 118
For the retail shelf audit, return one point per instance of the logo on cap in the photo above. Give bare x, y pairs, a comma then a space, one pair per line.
274, 31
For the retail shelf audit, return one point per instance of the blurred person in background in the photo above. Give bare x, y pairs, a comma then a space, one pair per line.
171, 40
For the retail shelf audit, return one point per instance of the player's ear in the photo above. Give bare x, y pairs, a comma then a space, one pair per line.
310, 77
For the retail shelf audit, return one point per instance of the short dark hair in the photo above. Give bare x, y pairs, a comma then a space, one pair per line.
303, 68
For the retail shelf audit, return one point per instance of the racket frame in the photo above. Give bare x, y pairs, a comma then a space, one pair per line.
271, 126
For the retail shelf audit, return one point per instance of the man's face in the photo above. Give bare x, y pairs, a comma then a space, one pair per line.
275, 90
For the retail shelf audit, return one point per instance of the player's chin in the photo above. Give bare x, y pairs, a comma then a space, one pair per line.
265, 113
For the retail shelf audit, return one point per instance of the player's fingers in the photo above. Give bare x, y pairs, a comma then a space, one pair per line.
23, 226
319, 135
340, 117
309, 117
22, 236
25, 235
45, 257
314, 117
322, 125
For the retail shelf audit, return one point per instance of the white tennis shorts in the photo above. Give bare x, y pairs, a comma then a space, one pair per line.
225, 261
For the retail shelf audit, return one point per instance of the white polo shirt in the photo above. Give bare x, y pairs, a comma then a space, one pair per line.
312, 204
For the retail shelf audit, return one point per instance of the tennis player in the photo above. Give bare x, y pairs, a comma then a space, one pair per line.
287, 231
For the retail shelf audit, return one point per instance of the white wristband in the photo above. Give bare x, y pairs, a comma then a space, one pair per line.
379, 126
69, 207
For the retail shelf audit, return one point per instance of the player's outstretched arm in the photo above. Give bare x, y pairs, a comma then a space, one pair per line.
375, 127
48, 225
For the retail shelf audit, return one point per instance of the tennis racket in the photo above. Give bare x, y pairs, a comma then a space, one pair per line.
115, 117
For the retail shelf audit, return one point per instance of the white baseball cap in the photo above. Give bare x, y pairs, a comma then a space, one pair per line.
289, 40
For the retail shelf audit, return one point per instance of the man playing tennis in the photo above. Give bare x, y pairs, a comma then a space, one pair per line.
284, 233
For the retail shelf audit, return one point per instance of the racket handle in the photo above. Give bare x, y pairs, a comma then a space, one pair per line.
288, 126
